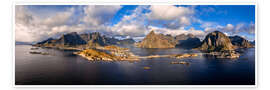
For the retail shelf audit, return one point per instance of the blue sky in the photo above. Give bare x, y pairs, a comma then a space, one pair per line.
38, 22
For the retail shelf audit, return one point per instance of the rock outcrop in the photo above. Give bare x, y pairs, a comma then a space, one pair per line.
240, 42
153, 40
216, 41
218, 45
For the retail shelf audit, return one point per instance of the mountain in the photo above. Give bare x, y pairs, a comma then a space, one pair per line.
46, 41
184, 41
83, 40
128, 41
94, 39
253, 42
216, 41
184, 36
240, 42
71, 39
188, 41
153, 40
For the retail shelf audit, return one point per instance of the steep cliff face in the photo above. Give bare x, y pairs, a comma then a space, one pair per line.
240, 42
216, 41
87, 40
153, 40
188, 41
71, 39
94, 39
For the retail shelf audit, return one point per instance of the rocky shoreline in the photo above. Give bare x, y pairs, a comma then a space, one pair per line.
42, 53
224, 54
114, 53
108, 53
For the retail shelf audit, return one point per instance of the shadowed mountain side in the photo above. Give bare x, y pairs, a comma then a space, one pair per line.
70, 39
88, 40
188, 41
240, 42
253, 42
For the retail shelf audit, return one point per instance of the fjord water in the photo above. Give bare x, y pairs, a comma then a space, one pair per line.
62, 67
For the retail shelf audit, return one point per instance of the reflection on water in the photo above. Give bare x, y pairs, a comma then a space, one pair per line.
64, 68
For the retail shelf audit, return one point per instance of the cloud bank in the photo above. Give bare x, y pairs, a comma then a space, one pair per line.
31, 26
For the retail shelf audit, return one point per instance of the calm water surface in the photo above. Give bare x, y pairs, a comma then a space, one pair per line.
62, 67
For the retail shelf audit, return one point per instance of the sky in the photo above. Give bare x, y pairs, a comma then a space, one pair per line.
34, 23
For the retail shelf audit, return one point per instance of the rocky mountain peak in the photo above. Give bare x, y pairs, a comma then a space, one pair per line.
153, 40
152, 33
71, 39
216, 41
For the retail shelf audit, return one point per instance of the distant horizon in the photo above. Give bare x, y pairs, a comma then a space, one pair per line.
35, 23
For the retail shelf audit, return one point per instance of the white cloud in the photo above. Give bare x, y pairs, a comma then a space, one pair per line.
199, 33
132, 30
95, 18
174, 17
132, 25
99, 14
229, 27
60, 18
30, 27
231, 30
168, 12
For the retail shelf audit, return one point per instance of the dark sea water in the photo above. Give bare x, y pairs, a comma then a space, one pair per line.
62, 67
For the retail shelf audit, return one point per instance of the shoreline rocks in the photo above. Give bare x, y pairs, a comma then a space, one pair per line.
224, 54
34, 48
146, 68
42, 53
181, 62
108, 53
114, 53
179, 56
